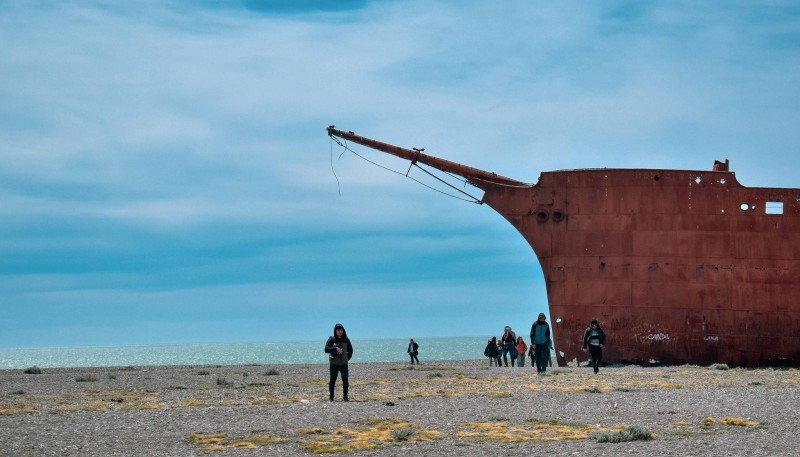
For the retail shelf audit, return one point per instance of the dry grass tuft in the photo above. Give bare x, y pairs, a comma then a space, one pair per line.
91, 400
533, 430
243, 445
207, 438
11, 410
737, 421
86, 378
632, 433
217, 442
379, 432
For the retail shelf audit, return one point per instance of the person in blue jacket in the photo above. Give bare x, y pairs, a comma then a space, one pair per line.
540, 342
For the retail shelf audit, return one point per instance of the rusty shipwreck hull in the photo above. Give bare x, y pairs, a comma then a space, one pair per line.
679, 266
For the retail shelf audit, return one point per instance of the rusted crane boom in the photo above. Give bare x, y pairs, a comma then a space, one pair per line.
477, 177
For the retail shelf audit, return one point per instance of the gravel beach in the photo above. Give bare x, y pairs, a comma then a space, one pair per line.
447, 408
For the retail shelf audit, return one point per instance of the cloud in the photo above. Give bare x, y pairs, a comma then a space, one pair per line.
174, 155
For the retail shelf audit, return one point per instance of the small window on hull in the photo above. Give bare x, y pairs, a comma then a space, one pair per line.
774, 208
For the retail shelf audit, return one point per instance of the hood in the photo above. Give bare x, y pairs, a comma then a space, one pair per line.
344, 332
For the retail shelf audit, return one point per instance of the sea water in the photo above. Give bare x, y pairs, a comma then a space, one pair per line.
265, 353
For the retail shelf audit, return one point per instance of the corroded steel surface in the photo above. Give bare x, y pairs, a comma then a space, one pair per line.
679, 266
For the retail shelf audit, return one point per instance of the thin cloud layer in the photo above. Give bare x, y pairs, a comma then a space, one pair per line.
166, 175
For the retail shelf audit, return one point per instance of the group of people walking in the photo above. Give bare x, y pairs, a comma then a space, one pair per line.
513, 347
509, 347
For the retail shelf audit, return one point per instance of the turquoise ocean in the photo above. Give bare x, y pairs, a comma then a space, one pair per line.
264, 353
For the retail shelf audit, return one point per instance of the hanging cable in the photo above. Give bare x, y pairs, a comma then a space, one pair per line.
472, 199
338, 186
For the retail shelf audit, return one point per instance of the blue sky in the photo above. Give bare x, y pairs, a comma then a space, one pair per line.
166, 176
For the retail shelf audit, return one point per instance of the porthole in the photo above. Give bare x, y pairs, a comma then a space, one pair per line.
744, 206
558, 216
542, 216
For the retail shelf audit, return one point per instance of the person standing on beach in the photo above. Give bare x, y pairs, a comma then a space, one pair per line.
540, 340
491, 351
595, 338
413, 350
340, 351
522, 348
508, 341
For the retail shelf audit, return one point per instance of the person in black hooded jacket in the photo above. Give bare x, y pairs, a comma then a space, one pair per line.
340, 351
594, 338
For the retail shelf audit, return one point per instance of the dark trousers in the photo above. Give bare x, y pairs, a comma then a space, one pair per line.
541, 355
597, 356
507, 348
413, 357
335, 370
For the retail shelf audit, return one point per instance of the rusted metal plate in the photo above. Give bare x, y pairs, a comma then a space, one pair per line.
679, 266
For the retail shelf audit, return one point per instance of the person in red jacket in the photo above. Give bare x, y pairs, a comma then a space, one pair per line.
522, 348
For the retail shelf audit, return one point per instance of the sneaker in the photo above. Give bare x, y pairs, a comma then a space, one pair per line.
345, 399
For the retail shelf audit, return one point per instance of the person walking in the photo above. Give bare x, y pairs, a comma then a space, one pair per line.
508, 341
340, 351
595, 338
540, 340
522, 348
413, 350
491, 351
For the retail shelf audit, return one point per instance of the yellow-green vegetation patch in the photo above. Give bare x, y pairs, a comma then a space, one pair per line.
737, 421
503, 431
382, 389
500, 393
243, 445
375, 432
309, 431
591, 386
217, 442
207, 438
631, 379
188, 402
14, 409
107, 400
